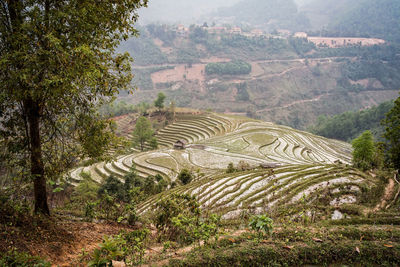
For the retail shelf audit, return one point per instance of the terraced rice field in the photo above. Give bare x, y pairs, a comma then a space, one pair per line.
261, 190
195, 128
304, 164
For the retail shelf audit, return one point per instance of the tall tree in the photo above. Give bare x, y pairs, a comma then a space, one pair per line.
159, 102
143, 132
364, 150
57, 63
392, 133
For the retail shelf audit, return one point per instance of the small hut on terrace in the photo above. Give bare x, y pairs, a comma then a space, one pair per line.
180, 144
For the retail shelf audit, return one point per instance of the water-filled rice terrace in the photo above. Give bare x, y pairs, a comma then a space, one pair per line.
286, 165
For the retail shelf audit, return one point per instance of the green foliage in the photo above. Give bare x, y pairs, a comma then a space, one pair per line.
14, 258
198, 34
262, 224
143, 132
392, 133
110, 249
195, 229
13, 212
301, 45
170, 207
153, 143
185, 176
47, 109
364, 150
349, 125
178, 218
84, 194
126, 246
113, 187
387, 74
229, 68
159, 102
93, 134
135, 248
295, 247
117, 108
230, 168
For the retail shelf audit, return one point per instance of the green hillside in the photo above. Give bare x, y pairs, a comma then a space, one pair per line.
349, 125
291, 81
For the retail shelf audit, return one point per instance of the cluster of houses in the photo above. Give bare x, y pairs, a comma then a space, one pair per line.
318, 41
185, 31
339, 41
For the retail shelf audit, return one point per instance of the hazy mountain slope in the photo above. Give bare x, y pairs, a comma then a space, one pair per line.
375, 18
366, 18
324, 12
272, 14
175, 11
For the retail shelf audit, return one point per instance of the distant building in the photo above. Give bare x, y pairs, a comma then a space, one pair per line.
236, 30
344, 41
181, 30
283, 32
216, 30
257, 32
180, 144
300, 35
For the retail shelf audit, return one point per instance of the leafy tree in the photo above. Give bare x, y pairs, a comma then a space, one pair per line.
159, 103
143, 132
392, 133
112, 186
364, 150
153, 143
185, 176
237, 67
230, 168
57, 64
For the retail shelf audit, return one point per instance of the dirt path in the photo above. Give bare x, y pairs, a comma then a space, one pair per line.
387, 196
60, 241
157, 252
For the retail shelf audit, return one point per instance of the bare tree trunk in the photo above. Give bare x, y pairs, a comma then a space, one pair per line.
37, 166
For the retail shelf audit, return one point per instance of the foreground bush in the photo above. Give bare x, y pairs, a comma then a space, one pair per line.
16, 259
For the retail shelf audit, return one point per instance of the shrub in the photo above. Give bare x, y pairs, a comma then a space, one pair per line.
262, 224
110, 249
196, 229
237, 67
168, 208
230, 168
14, 258
113, 187
185, 176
